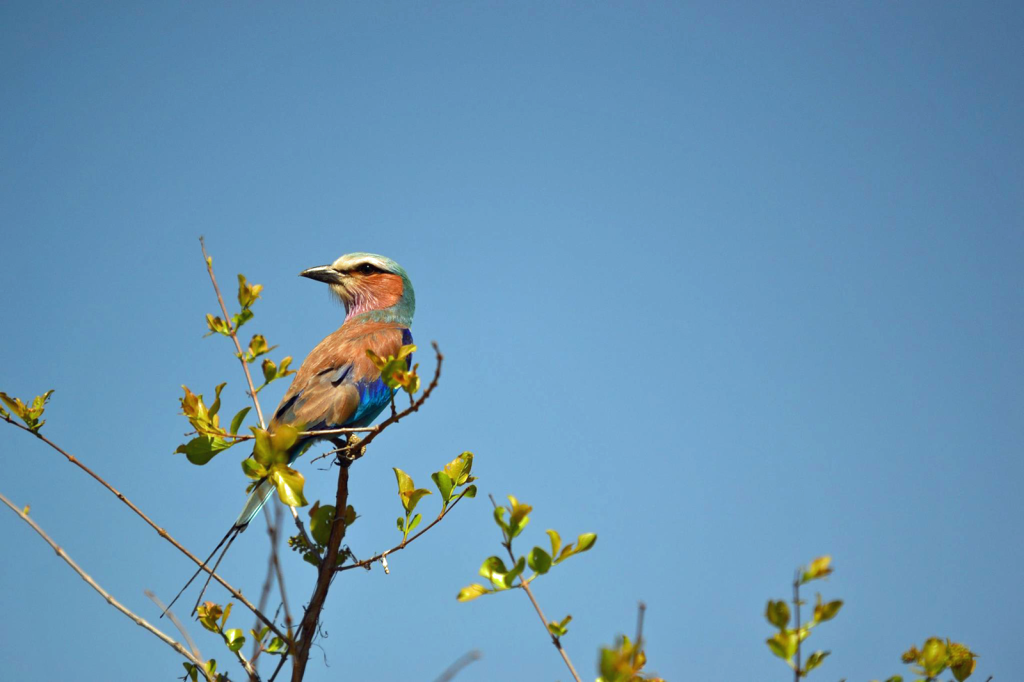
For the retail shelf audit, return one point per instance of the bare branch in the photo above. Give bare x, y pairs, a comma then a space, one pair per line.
177, 623
163, 533
138, 620
233, 333
368, 563
460, 663
641, 609
307, 629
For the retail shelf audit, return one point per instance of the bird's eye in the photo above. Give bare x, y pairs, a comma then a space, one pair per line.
367, 269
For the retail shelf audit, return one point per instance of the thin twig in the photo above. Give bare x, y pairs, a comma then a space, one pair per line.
641, 609
460, 663
268, 582
302, 531
276, 557
280, 664
525, 584
367, 563
138, 620
163, 533
247, 665
394, 418
177, 623
233, 333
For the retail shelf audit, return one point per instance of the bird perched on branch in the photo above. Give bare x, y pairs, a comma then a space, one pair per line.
338, 385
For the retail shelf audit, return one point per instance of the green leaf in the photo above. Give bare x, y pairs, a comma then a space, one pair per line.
30, 413
814, 660
282, 440
819, 568
777, 613
320, 521
585, 542
234, 638
253, 469
274, 448
405, 483
412, 524
209, 613
276, 646
257, 347
444, 485
539, 560
236, 421
14, 404
401, 524
202, 449
470, 491
499, 518
559, 629
289, 484
824, 612
411, 499
191, 671
516, 571
556, 542
215, 406
493, 568
518, 516
783, 644
261, 451
241, 318
216, 326
211, 666
458, 469
471, 592
247, 293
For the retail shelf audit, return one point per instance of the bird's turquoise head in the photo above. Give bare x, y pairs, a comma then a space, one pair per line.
372, 287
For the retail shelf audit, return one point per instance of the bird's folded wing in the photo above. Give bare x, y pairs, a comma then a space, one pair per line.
337, 377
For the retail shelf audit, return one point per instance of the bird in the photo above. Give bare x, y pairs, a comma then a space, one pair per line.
338, 385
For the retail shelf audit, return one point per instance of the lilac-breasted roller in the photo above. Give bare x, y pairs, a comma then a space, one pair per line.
337, 385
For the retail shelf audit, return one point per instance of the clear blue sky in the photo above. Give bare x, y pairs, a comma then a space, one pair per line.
730, 285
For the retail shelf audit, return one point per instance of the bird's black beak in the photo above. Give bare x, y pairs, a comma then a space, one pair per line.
323, 273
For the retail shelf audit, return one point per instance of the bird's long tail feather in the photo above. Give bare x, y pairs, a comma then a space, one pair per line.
257, 498
230, 535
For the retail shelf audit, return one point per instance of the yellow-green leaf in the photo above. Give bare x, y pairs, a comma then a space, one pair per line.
234, 639
819, 568
824, 612
289, 484
471, 592
777, 613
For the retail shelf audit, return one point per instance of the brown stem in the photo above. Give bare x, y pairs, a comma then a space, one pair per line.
525, 584
308, 627
233, 333
163, 533
366, 563
460, 663
554, 638
276, 559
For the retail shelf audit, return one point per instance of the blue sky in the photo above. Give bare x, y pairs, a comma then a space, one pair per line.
731, 286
